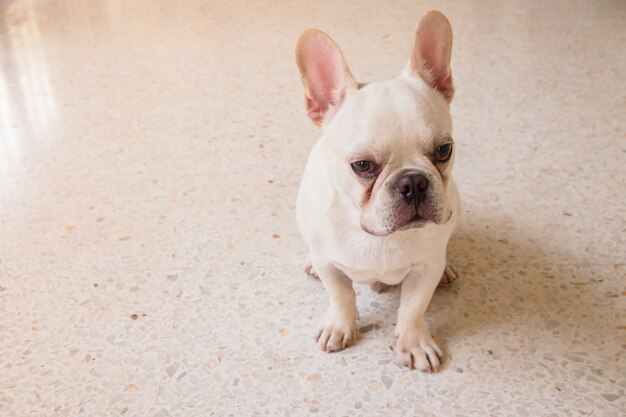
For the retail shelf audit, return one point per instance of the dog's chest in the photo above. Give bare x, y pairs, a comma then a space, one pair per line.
367, 261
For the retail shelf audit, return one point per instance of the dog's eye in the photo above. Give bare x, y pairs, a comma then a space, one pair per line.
364, 168
443, 152
361, 166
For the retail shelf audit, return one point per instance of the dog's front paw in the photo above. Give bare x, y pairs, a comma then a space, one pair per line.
338, 331
417, 349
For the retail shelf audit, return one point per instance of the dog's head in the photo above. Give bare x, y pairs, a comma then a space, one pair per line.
389, 143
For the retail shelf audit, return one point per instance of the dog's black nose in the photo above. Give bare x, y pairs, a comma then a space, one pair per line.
413, 187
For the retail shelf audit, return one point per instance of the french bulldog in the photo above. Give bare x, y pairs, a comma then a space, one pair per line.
377, 203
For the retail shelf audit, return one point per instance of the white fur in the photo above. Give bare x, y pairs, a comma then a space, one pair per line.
398, 121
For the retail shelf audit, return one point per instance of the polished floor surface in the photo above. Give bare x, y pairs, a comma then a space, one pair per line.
150, 153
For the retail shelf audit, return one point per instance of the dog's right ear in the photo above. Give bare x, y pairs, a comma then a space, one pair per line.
431, 51
326, 77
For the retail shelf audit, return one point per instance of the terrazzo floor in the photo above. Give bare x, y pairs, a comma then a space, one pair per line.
150, 265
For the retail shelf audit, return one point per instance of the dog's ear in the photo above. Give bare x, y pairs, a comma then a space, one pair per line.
325, 75
431, 52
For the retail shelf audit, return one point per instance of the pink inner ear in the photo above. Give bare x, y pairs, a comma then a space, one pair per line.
431, 53
324, 74
322, 80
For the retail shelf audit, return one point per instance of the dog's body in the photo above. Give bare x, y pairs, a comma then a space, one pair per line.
377, 203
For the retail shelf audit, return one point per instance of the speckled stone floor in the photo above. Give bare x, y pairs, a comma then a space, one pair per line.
150, 154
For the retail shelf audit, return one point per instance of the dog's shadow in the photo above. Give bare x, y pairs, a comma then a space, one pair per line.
514, 288
518, 286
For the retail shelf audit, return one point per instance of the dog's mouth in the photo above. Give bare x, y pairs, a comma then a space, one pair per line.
417, 219
415, 222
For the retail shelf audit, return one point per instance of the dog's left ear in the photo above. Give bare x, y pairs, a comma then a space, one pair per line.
431, 52
326, 77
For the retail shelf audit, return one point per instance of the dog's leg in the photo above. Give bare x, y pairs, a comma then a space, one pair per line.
379, 287
308, 269
338, 330
450, 274
415, 347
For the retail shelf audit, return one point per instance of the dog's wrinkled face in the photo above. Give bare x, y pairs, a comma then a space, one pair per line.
389, 143
392, 153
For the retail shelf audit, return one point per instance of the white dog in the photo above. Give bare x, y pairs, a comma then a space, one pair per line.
377, 203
